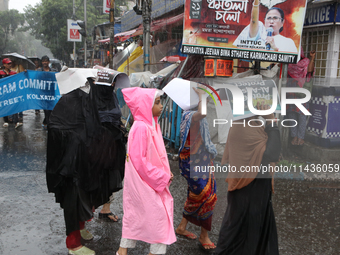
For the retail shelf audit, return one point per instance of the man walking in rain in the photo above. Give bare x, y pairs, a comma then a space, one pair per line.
45, 61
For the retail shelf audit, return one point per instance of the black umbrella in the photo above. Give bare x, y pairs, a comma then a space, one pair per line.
20, 60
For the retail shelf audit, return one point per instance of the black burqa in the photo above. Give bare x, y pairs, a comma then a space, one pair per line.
82, 169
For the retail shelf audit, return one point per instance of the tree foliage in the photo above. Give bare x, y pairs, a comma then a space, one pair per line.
47, 21
9, 22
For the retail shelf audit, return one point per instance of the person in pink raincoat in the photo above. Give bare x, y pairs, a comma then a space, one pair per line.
147, 202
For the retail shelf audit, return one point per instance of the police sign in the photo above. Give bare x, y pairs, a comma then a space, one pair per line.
320, 15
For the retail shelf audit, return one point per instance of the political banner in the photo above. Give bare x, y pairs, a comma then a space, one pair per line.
224, 67
209, 67
246, 29
28, 90
73, 34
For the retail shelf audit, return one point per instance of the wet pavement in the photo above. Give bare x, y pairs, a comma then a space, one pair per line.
31, 223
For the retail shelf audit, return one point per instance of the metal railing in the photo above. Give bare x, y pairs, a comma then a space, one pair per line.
169, 122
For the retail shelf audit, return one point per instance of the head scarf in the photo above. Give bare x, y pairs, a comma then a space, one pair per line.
107, 104
245, 147
104, 98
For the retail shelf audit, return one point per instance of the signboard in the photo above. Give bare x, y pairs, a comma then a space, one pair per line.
209, 67
73, 31
337, 19
224, 67
262, 94
320, 15
224, 28
106, 6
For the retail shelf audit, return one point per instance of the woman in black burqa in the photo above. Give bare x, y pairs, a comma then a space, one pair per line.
85, 157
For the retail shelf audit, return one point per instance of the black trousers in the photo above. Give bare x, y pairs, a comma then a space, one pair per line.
47, 116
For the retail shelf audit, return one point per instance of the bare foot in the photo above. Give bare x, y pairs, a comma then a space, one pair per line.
186, 233
300, 141
122, 251
294, 141
113, 217
108, 216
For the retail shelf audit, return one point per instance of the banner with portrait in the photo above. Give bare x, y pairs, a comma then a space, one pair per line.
264, 30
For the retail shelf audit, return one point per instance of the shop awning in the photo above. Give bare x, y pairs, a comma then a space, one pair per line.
123, 36
174, 58
155, 26
160, 24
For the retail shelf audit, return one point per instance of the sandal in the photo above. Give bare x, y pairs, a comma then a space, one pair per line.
205, 246
82, 251
190, 236
86, 235
105, 216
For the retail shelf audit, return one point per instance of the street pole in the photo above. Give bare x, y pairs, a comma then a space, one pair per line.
112, 32
284, 131
85, 48
74, 43
146, 14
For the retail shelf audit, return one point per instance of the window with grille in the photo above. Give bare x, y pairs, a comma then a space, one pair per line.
317, 40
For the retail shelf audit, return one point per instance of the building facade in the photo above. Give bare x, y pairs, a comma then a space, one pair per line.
4, 5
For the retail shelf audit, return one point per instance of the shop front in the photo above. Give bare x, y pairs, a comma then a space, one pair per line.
321, 33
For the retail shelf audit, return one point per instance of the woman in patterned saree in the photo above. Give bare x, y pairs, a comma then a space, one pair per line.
195, 155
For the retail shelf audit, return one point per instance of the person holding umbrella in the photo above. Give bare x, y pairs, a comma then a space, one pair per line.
37, 64
18, 68
7, 63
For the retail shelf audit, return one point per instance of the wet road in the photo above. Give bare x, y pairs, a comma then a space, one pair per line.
31, 223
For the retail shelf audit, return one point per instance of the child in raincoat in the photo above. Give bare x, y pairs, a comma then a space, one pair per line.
147, 202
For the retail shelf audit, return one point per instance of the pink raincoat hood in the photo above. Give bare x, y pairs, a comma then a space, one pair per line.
140, 101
